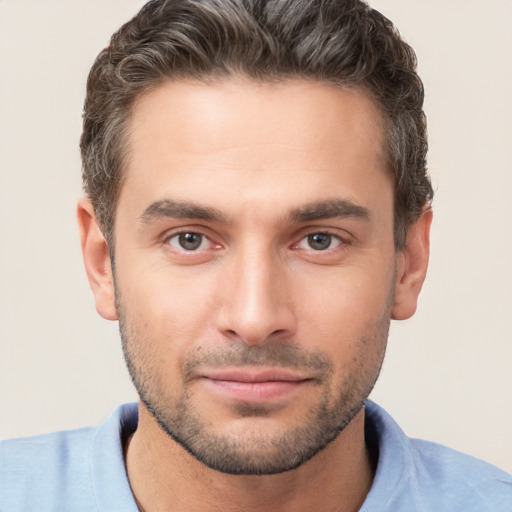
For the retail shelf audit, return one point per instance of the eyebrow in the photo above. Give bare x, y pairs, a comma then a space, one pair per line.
330, 209
180, 210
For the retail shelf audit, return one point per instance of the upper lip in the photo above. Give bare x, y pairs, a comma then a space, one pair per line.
254, 375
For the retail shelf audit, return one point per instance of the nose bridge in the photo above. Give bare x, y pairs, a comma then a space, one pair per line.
258, 304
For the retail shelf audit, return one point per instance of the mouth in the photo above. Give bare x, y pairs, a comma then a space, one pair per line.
256, 386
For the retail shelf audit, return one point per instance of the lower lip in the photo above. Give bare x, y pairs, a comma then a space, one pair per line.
255, 391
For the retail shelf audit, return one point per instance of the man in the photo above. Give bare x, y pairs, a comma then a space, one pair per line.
257, 212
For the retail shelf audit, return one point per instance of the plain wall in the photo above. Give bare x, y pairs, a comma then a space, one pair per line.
447, 376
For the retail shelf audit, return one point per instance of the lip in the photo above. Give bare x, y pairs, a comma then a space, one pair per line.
257, 386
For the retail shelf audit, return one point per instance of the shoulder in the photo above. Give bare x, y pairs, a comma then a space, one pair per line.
467, 481
33, 469
67, 470
419, 475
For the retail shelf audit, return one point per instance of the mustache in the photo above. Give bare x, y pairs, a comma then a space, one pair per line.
273, 354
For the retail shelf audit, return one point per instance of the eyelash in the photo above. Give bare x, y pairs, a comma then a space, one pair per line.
333, 237
168, 238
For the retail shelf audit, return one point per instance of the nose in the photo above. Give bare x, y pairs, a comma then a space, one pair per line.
257, 302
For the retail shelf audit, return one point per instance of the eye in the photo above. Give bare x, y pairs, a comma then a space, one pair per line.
319, 242
188, 241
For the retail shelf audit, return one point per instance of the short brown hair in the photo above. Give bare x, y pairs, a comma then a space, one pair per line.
341, 42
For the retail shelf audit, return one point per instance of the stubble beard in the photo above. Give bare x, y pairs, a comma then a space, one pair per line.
252, 452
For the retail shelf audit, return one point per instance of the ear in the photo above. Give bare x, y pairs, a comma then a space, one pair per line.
97, 261
412, 263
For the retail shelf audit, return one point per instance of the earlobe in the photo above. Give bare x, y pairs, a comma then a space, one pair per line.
412, 265
97, 261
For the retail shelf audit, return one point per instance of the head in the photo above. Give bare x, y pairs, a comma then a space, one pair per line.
257, 170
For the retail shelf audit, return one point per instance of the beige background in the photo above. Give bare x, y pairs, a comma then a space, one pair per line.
447, 376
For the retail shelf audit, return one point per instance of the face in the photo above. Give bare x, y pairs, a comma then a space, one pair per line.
254, 266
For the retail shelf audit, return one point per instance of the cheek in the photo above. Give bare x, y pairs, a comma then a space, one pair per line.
170, 308
349, 323
345, 308
161, 323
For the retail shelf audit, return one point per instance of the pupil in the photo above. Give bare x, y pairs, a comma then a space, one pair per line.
319, 241
190, 241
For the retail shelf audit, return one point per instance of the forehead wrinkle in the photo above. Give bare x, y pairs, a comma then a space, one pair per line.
168, 208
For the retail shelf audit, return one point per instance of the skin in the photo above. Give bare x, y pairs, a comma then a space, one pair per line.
270, 161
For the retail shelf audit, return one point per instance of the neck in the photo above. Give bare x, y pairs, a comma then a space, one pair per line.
164, 476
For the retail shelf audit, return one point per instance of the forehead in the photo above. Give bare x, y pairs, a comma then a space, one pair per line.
280, 142
235, 111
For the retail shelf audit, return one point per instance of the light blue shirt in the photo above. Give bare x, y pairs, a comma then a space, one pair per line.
83, 470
